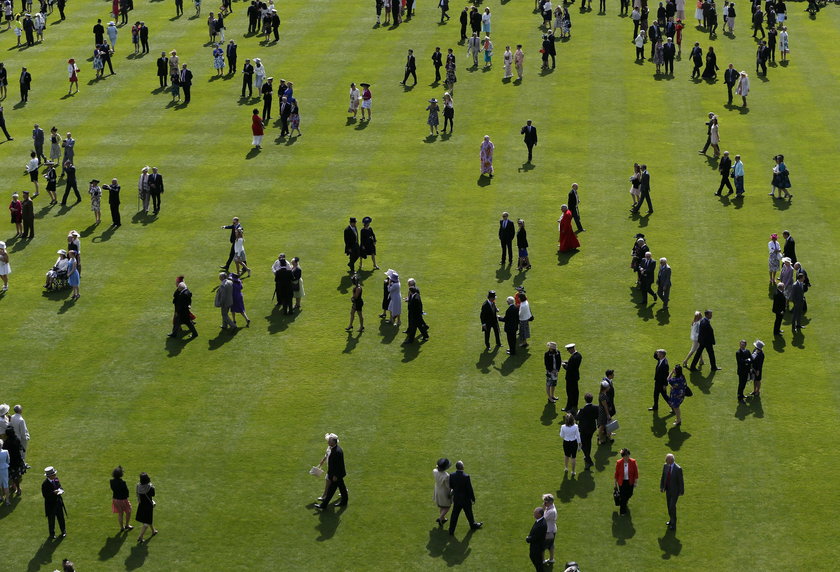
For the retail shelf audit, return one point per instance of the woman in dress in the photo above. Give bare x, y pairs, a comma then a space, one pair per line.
525, 317
550, 516
486, 156
135, 37
4, 75
112, 32
95, 198
714, 137
522, 246
16, 210
239, 253
433, 108
558, 17
784, 46
146, 506
568, 239
443, 492
781, 177
4, 474
604, 413
257, 129
238, 306
73, 278
259, 74
507, 62
297, 282
743, 88
677, 382
710, 71
55, 145
786, 277
211, 27
485, 21
17, 468
356, 304
120, 505
487, 48
174, 67
367, 242
448, 112
757, 366
636, 184
694, 335
658, 57
394, 298
451, 78
571, 442
678, 36
566, 24
354, 100
698, 12
218, 60
51, 178
5, 269
367, 100
73, 74
775, 251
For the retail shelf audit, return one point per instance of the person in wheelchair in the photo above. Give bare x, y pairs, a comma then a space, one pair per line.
57, 275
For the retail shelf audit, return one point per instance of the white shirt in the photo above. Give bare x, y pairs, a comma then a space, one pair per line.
550, 516
570, 433
19, 425
32, 165
276, 266
626, 471
524, 311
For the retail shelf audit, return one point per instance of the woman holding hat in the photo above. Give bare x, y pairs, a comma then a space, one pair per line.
95, 197
368, 242
433, 108
16, 210
5, 269
757, 365
443, 492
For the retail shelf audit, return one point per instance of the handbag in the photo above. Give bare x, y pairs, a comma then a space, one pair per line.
688, 392
612, 426
316, 471
616, 497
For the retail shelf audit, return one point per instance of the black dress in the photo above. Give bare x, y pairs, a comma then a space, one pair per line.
368, 242
146, 510
710, 71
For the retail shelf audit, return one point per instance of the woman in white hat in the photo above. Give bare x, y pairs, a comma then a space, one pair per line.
394, 297
433, 108
259, 74
5, 269
59, 266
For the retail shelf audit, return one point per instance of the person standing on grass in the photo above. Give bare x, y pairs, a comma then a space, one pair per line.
224, 300
218, 60
738, 176
120, 505
356, 304
28, 216
437, 62
238, 305
163, 69
16, 209
743, 360
507, 232
73, 74
114, 202
524, 262
336, 472
232, 227
572, 367
267, 91
530, 133
247, 79
644, 190
297, 282
673, 486
626, 478
367, 243
553, 362
185, 81
95, 193
182, 300
367, 100
146, 506
53, 502
355, 97
536, 539
51, 178
433, 121
486, 156
660, 379
155, 189
463, 498
2, 117
706, 339
587, 418
511, 321
239, 254
31, 169
757, 364
351, 244
570, 434
5, 269
489, 317
4, 475
663, 282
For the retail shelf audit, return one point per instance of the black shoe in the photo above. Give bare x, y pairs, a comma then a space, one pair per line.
653, 409
320, 506
476, 525
340, 503
717, 368
718, 194
171, 335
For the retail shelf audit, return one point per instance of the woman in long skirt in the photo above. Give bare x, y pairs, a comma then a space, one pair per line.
238, 306
486, 156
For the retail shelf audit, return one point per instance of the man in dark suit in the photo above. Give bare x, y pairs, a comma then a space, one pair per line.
696, 56
706, 338
98, 33
232, 227
489, 317
730, 78
230, 51
743, 359
463, 498
673, 486
114, 202
709, 124
284, 287
758, 21
28, 215
464, 19
163, 69
437, 61
335, 474
552, 47
248, 78
285, 113
179, 8
669, 52
644, 192
573, 204
660, 379
663, 282
253, 18
415, 317
186, 82
267, 91
725, 169
507, 232
587, 419
144, 37
779, 307
410, 68
647, 273
797, 296
3, 126
351, 243
536, 539
654, 34
25, 84
530, 133
511, 321
53, 501
275, 24
182, 300
761, 56
572, 367
105, 53
789, 247
155, 189
38, 143
70, 183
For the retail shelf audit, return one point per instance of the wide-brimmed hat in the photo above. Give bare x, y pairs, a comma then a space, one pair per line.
364, 84
61, 252
392, 275
4, 408
50, 471
443, 464
758, 344
71, 61
94, 182
75, 233
570, 346
433, 100
367, 220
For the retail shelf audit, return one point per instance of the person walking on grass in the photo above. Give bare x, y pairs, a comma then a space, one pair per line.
182, 301
5, 269
356, 304
443, 492
570, 434
238, 305
257, 129
678, 392
73, 74
95, 192
146, 506
336, 472
120, 505
671, 483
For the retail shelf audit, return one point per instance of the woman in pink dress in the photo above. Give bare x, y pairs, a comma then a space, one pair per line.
568, 238
486, 155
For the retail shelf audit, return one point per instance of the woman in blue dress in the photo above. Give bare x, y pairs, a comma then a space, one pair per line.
218, 59
678, 386
73, 277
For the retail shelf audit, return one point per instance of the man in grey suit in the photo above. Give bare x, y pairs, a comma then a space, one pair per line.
673, 486
224, 299
797, 296
473, 47
69, 145
663, 282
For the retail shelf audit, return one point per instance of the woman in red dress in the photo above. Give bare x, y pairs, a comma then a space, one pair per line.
257, 128
568, 238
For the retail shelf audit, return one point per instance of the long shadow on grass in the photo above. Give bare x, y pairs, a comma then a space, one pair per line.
44, 555
514, 362
388, 332
676, 438
175, 345
658, 425
704, 384
278, 321
603, 454
112, 546
549, 414
449, 548
779, 344
105, 236
527, 166
622, 527
137, 558
66, 306
410, 351
798, 340
328, 521
254, 152
503, 274
563, 258
351, 342
485, 360
7, 510
751, 407
520, 277
670, 545
363, 123
142, 218
224, 336
663, 316
344, 284
781, 204
88, 231
572, 487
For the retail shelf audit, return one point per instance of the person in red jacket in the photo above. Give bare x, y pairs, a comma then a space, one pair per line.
257, 128
626, 477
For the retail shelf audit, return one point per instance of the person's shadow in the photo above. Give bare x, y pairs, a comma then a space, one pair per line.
438, 539
549, 414
514, 362
757, 409
410, 351
485, 360
224, 336
602, 456
658, 425
137, 557
483, 181
345, 284
328, 522
563, 258
277, 320
44, 555
622, 527
670, 545
779, 344
112, 546
676, 438
352, 341
456, 551
388, 331
503, 273
663, 316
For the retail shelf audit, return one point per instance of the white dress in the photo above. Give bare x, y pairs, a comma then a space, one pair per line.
259, 75
354, 100
443, 494
5, 268
239, 249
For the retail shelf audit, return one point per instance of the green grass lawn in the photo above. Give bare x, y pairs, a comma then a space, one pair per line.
228, 425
